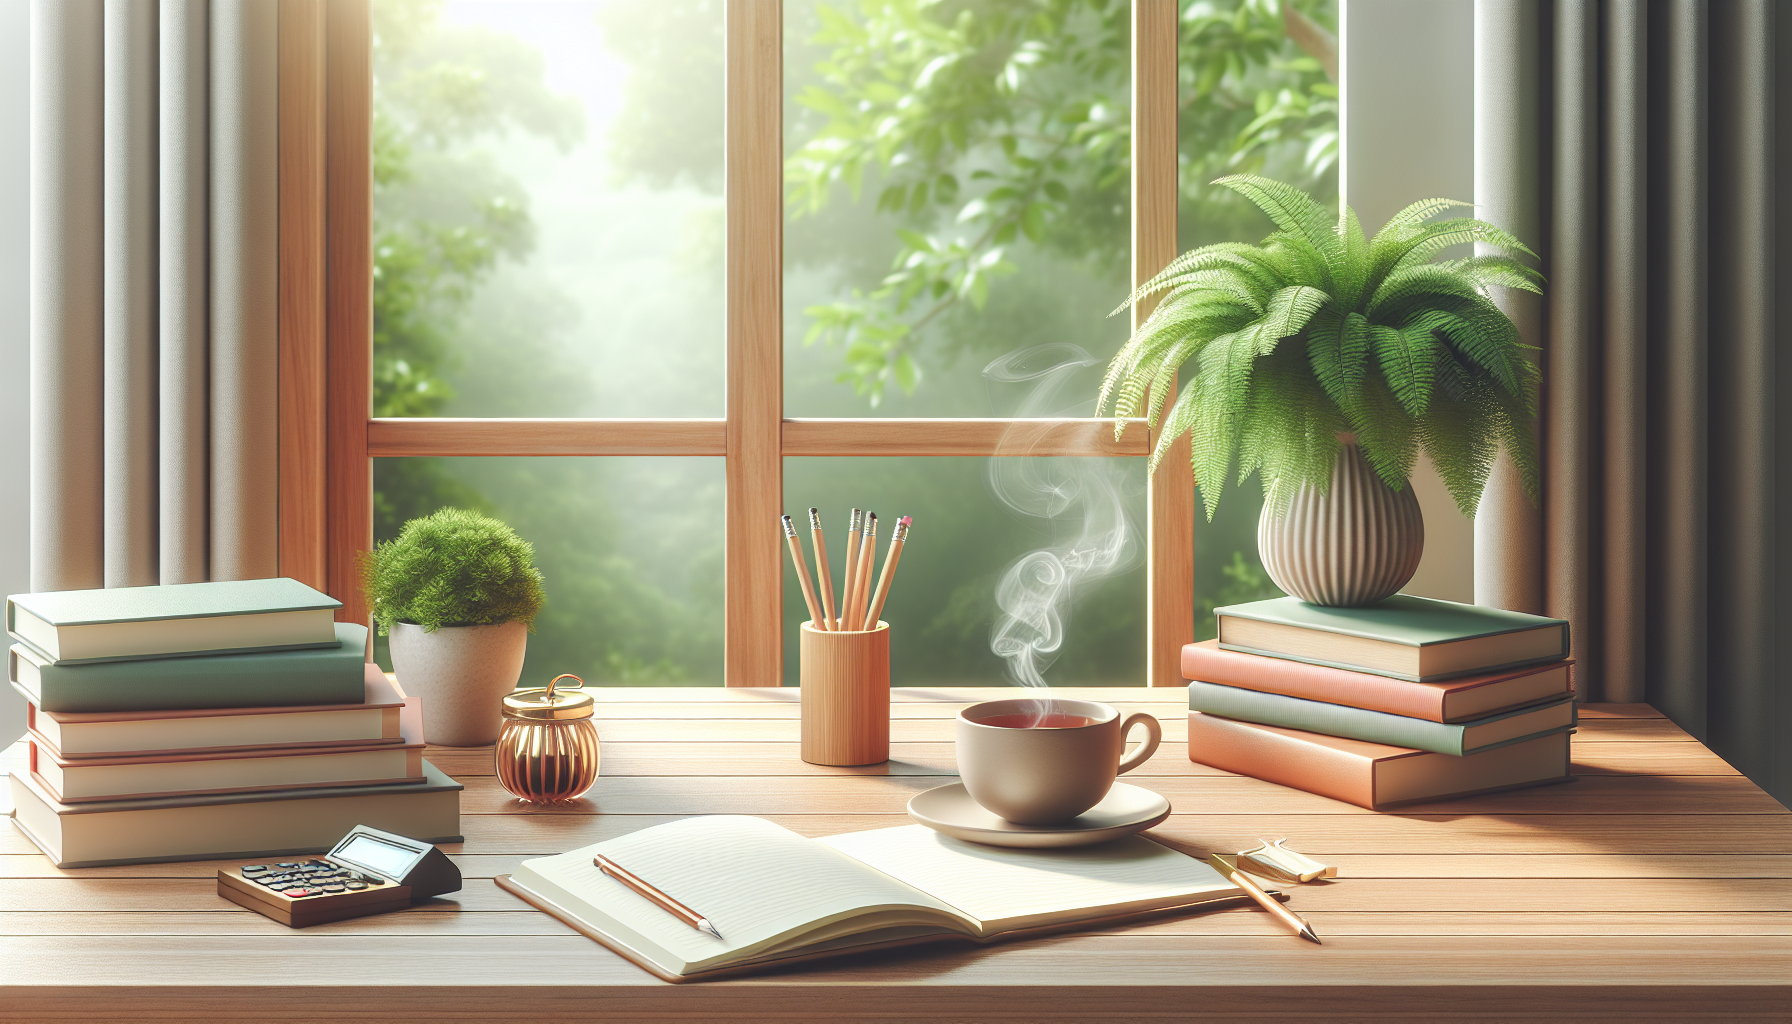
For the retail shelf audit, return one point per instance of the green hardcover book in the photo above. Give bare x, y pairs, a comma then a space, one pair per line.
1419, 639
127, 623
322, 675
1457, 739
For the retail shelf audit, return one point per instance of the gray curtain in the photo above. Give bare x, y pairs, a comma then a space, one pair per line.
1638, 145
154, 291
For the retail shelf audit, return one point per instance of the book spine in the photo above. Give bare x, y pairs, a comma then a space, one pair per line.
1283, 760
1330, 719
330, 675
1313, 682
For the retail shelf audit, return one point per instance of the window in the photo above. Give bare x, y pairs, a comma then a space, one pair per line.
821, 265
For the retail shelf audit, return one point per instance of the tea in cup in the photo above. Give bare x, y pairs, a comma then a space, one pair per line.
1045, 761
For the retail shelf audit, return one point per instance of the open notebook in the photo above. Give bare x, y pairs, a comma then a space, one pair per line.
776, 896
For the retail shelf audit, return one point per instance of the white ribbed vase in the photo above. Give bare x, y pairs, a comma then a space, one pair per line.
1352, 546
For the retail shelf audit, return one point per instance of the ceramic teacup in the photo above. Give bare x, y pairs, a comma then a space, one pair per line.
1042, 762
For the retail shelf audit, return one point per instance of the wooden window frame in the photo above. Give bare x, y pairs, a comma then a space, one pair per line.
329, 436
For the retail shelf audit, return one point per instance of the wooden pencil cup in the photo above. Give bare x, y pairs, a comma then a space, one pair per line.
846, 695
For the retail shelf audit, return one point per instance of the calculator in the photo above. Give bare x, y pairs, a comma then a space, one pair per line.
368, 872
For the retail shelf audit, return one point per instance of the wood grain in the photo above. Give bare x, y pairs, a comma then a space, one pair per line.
348, 284
421, 436
846, 696
967, 437
753, 653
302, 544
1170, 508
1660, 890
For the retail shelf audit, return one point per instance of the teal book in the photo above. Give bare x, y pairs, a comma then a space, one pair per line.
1419, 639
321, 675
1457, 739
178, 620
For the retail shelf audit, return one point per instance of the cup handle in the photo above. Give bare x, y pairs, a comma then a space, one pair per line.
1146, 748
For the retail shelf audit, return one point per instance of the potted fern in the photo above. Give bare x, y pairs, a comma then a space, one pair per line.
456, 591
1325, 362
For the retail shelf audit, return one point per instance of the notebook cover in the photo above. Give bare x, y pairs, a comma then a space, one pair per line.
1402, 619
622, 950
1208, 662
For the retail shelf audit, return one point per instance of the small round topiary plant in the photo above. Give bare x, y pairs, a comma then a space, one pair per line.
452, 568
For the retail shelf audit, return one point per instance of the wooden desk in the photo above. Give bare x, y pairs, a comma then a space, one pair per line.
1657, 887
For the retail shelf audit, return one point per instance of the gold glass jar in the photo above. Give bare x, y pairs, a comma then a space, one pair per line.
548, 749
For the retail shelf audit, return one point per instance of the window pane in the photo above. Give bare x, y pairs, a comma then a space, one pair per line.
548, 218
956, 187
943, 606
631, 549
1250, 99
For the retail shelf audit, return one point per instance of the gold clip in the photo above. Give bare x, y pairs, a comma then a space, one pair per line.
1273, 860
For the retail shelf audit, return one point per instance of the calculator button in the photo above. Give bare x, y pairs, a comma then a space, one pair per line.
293, 894
335, 887
254, 869
354, 886
287, 864
272, 883
315, 863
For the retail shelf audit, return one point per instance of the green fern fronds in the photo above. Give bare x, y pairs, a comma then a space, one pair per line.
1320, 331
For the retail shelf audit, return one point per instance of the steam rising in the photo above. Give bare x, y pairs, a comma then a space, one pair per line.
1076, 495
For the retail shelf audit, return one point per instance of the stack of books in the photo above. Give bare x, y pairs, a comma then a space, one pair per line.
1405, 701
204, 720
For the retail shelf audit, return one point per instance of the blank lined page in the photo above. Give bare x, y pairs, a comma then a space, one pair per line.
1008, 888
751, 878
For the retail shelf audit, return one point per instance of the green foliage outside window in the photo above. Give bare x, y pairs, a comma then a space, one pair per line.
453, 228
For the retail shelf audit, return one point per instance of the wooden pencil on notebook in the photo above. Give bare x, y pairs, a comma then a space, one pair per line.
894, 555
862, 577
802, 570
855, 526
823, 575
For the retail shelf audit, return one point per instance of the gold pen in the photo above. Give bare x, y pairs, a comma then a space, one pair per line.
1228, 869
663, 901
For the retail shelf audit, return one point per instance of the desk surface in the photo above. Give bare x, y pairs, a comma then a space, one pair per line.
1657, 886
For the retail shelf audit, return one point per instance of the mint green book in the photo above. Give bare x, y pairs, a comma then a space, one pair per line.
1457, 739
1419, 639
79, 626
320, 675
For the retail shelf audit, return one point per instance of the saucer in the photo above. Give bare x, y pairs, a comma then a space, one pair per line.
1125, 810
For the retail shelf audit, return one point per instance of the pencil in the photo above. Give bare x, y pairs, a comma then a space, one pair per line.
855, 528
802, 569
823, 575
893, 556
862, 579
1228, 869
660, 899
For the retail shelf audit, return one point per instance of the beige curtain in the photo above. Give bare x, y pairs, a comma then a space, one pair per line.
154, 261
1637, 145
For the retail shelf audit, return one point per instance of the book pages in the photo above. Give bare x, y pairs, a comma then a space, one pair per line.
1005, 889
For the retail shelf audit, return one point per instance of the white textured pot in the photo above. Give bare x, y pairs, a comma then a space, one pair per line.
1352, 546
462, 673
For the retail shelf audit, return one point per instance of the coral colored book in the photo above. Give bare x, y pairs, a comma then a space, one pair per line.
1371, 775
1453, 700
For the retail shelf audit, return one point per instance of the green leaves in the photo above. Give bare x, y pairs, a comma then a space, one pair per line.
1407, 355
453, 568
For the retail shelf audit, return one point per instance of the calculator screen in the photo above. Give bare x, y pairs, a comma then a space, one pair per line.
381, 856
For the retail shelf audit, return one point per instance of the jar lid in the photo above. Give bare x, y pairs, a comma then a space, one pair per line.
548, 704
